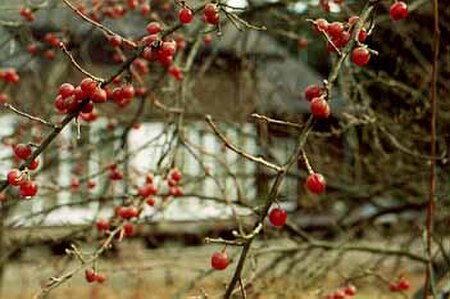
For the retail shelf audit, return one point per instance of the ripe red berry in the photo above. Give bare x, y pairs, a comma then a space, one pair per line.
302, 42
74, 184
335, 29
28, 189
99, 95
350, 290
176, 175
102, 225
150, 201
220, 260
145, 9
339, 294
176, 72
362, 35
14, 177
115, 40
88, 86
22, 151
100, 278
277, 217
312, 91
319, 108
153, 28
91, 184
398, 11
90, 275
321, 24
210, 10
393, 287
360, 56
214, 19
403, 284
147, 190
66, 90
149, 178
185, 15
315, 183
128, 229
34, 164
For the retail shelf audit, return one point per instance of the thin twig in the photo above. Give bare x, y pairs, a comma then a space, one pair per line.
31, 117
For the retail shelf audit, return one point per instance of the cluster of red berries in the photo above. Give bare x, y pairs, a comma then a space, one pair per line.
162, 51
211, 14
75, 184
342, 293
220, 260
27, 188
111, 9
318, 105
114, 174
173, 181
402, 284
9, 76
92, 276
51, 40
27, 14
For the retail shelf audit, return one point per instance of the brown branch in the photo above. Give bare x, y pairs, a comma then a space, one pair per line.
78, 66
431, 207
31, 117
239, 151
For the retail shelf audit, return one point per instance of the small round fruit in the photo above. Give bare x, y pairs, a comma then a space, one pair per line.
220, 260
360, 56
102, 225
316, 183
278, 217
28, 189
319, 108
312, 91
403, 284
100, 278
350, 290
393, 287
398, 11
14, 177
185, 15
90, 275
22, 151
176, 175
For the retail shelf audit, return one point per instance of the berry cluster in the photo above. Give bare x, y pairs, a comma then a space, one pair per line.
27, 187
402, 284
9, 76
92, 276
342, 293
27, 14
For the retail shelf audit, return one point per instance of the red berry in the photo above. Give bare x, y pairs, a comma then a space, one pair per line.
185, 15
99, 95
393, 287
147, 190
210, 10
398, 11
88, 86
362, 35
220, 260
74, 184
403, 284
277, 217
128, 229
14, 177
214, 19
49, 54
66, 90
319, 108
176, 73
315, 183
302, 42
150, 201
335, 29
312, 91
127, 91
28, 189
34, 164
91, 184
339, 294
3, 98
350, 290
321, 24
153, 28
22, 151
145, 9
100, 278
176, 175
176, 191
115, 40
90, 275
102, 225
360, 56
149, 178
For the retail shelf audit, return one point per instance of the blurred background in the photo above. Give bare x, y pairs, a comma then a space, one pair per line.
367, 228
